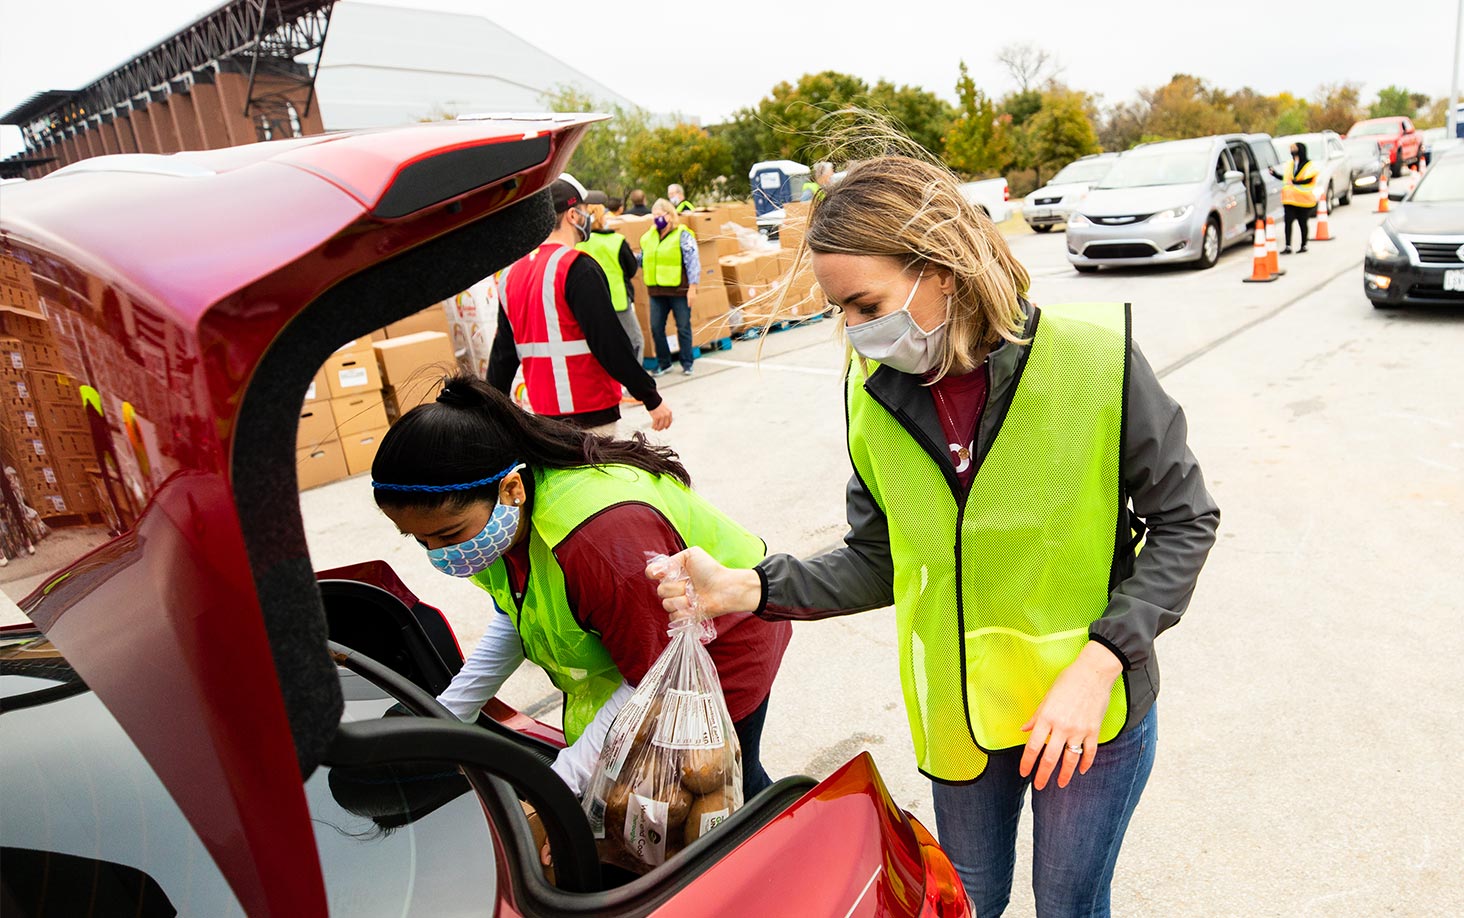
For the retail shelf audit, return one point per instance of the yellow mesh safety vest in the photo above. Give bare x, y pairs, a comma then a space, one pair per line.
661, 258
994, 594
1300, 189
605, 249
574, 659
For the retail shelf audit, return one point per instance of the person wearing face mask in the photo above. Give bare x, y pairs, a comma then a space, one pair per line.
558, 319
677, 196
1008, 461
672, 264
1299, 193
612, 251
556, 524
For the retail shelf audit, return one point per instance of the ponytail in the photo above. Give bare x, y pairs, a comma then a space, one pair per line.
473, 431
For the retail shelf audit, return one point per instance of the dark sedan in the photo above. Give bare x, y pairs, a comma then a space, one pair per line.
1417, 254
1367, 162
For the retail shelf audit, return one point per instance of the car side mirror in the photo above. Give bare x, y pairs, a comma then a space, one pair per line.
1234, 175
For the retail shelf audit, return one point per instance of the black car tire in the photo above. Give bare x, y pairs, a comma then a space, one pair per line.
1042, 227
1347, 197
1086, 269
1396, 169
1204, 262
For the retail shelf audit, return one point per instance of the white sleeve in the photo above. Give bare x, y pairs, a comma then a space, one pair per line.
576, 763
497, 655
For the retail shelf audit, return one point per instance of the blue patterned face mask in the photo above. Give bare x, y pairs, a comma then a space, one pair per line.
476, 554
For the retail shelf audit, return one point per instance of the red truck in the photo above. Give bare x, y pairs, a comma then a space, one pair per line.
1402, 145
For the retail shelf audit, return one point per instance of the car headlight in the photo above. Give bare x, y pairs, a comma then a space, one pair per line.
1173, 215
1380, 245
1077, 219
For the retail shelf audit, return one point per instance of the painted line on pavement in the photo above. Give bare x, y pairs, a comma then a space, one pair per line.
812, 371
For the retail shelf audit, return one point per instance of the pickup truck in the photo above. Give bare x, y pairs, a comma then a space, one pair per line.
992, 196
1402, 145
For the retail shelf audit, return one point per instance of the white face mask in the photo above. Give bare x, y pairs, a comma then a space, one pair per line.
897, 342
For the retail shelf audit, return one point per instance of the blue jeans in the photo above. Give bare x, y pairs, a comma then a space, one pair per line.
749, 736
1077, 830
661, 307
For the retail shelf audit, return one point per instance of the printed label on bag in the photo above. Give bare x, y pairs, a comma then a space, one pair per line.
645, 829
622, 734
597, 817
357, 376
710, 821
689, 720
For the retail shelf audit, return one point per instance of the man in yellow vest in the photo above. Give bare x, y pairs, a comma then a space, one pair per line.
612, 251
1299, 194
823, 174
677, 196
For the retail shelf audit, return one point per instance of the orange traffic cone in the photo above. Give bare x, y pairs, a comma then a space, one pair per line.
1324, 234
1383, 193
1260, 259
1273, 255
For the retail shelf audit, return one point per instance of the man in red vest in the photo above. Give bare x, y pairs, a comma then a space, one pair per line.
557, 319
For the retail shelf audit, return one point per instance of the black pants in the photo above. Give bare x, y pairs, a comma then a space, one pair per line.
1299, 215
749, 737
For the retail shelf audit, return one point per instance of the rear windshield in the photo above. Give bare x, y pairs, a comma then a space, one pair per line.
1178, 168
1086, 170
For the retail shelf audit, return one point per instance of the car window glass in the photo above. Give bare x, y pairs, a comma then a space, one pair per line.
1264, 153
1240, 154
1442, 184
1222, 165
84, 806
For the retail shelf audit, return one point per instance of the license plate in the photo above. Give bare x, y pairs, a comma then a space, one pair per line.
1042, 213
1454, 280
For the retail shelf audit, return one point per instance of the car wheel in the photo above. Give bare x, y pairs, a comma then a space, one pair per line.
1042, 227
1209, 245
1396, 169
1331, 197
1347, 195
1086, 269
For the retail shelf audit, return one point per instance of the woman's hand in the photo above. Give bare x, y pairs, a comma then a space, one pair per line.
1071, 713
694, 584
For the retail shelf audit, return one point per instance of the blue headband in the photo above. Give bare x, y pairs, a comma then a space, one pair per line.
438, 489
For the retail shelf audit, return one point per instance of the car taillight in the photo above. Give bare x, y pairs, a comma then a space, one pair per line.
1006, 193
945, 895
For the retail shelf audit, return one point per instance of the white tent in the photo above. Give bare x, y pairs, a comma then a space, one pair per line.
386, 65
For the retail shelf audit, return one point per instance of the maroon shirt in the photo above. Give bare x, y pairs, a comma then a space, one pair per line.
604, 564
959, 401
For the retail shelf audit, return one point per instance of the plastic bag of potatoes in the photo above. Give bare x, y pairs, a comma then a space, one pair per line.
670, 770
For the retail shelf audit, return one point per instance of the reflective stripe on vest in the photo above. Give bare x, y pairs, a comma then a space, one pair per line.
605, 249
994, 593
1300, 190
661, 259
574, 659
560, 370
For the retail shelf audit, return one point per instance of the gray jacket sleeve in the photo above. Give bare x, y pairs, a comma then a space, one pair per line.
854, 578
1164, 482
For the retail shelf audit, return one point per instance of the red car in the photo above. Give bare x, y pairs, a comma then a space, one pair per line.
193, 721
1402, 145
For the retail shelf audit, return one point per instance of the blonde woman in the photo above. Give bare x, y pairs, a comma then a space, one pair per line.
1008, 461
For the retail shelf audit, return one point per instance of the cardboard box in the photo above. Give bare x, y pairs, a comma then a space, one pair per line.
52, 387
317, 425
25, 325
19, 294
709, 316
351, 372
13, 270
71, 444
431, 319
319, 388
633, 228
81, 498
321, 465
417, 356
711, 267
726, 245
640, 295
767, 267
359, 413
360, 449
704, 223
399, 401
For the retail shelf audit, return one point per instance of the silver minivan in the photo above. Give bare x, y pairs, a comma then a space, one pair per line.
1176, 201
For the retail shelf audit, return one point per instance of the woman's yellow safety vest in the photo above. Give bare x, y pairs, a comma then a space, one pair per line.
1300, 189
994, 593
605, 249
575, 660
661, 258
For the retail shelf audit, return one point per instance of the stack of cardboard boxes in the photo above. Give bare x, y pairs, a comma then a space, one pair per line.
44, 432
364, 388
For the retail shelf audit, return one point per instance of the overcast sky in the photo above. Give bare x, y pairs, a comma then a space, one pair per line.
731, 54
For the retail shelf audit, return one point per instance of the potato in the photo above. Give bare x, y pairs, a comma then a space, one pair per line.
710, 809
679, 804
704, 770
616, 803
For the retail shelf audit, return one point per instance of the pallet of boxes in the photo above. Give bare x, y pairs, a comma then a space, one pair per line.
364, 388
761, 284
44, 432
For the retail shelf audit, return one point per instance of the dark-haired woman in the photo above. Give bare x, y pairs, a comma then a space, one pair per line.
556, 524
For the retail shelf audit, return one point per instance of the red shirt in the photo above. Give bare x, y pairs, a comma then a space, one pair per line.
604, 564
959, 401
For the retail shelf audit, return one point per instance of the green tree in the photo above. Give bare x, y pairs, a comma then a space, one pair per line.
1395, 101
786, 116
921, 114
1435, 115
1337, 108
1123, 125
1186, 106
1061, 131
682, 153
978, 140
600, 159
